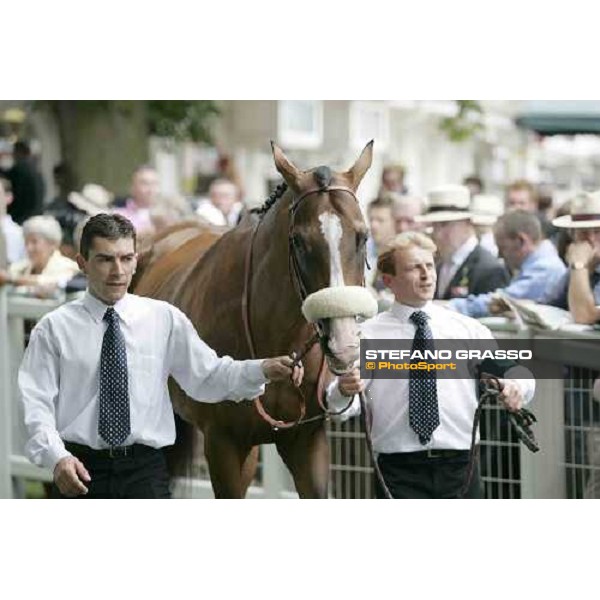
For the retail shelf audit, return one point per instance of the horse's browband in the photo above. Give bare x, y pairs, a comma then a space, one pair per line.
328, 188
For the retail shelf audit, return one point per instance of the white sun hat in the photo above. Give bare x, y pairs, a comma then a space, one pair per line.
93, 199
486, 209
447, 203
584, 213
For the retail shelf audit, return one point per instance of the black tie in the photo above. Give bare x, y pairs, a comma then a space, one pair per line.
114, 422
423, 412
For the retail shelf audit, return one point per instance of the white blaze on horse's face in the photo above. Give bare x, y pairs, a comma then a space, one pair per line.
344, 340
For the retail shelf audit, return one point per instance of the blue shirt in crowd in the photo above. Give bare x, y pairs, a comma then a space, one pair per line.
541, 271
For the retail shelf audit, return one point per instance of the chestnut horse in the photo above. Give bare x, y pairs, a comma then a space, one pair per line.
245, 288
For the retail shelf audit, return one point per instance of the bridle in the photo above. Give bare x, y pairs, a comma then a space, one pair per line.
294, 263
320, 335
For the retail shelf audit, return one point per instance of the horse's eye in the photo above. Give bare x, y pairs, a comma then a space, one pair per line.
298, 242
361, 239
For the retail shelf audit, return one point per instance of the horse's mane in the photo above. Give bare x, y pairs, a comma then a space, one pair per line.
322, 176
275, 195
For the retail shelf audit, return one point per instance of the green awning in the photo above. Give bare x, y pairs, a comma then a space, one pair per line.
560, 117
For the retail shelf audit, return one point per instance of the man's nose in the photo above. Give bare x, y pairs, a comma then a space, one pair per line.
118, 267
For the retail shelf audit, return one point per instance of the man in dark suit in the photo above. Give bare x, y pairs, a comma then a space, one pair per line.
464, 266
27, 184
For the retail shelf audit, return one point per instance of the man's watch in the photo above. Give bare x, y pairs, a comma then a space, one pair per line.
577, 265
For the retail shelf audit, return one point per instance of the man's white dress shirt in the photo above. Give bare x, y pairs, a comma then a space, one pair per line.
59, 376
15, 241
388, 399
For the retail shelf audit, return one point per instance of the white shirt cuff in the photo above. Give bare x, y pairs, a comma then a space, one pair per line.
524, 379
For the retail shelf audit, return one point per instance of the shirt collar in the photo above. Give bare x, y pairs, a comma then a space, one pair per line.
459, 257
404, 311
97, 308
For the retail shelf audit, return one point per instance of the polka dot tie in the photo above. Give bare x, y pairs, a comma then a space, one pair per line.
113, 422
423, 412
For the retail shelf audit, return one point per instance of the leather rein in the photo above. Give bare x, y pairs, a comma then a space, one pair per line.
319, 335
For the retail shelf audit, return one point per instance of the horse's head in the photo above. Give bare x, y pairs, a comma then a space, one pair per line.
327, 238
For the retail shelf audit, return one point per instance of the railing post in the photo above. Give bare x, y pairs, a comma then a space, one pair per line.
543, 473
5, 400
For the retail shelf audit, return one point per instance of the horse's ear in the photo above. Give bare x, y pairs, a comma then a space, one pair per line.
361, 166
286, 169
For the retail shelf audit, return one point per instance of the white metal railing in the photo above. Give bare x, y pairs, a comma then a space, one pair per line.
547, 474
14, 467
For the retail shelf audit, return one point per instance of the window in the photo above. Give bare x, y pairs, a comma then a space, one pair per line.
300, 123
369, 121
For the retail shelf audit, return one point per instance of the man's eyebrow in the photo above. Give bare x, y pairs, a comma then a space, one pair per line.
128, 255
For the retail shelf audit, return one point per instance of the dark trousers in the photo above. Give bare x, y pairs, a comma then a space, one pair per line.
142, 474
415, 475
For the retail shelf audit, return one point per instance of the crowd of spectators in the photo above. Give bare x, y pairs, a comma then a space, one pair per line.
518, 244
41, 239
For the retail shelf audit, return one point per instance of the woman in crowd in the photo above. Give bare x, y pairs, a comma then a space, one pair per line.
45, 269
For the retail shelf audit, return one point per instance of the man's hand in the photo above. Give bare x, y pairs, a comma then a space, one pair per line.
351, 383
498, 306
280, 368
4, 277
580, 252
68, 476
511, 395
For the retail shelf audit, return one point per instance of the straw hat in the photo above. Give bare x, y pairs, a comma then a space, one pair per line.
585, 212
447, 203
486, 209
93, 200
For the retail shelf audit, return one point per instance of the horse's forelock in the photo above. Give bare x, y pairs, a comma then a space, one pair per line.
322, 175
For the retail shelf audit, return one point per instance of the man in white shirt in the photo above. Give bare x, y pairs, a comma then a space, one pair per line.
94, 377
13, 233
223, 206
421, 455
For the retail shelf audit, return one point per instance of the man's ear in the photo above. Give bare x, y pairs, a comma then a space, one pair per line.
81, 262
387, 279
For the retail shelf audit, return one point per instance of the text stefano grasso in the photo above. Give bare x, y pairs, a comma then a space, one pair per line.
478, 354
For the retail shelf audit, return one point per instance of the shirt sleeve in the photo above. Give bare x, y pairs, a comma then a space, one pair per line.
202, 374
38, 386
472, 306
336, 402
521, 375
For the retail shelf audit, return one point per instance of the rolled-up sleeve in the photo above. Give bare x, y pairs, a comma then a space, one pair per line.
205, 376
38, 386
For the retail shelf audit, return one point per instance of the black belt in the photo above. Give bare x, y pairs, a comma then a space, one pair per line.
427, 454
116, 452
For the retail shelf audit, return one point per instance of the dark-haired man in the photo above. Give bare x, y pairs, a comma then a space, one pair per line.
93, 380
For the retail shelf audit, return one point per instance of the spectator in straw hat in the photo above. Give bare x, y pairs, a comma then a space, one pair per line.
92, 200
579, 289
464, 267
485, 211
534, 262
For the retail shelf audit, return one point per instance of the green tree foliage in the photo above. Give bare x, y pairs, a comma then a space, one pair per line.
466, 123
104, 140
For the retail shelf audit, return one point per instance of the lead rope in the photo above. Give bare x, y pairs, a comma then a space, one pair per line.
366, 423
521, 421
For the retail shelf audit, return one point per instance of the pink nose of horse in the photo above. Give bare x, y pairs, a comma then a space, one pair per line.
344, 341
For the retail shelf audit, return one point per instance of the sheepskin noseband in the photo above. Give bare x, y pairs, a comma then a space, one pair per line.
336, 302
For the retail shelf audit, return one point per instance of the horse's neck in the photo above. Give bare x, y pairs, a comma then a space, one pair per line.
275, 300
